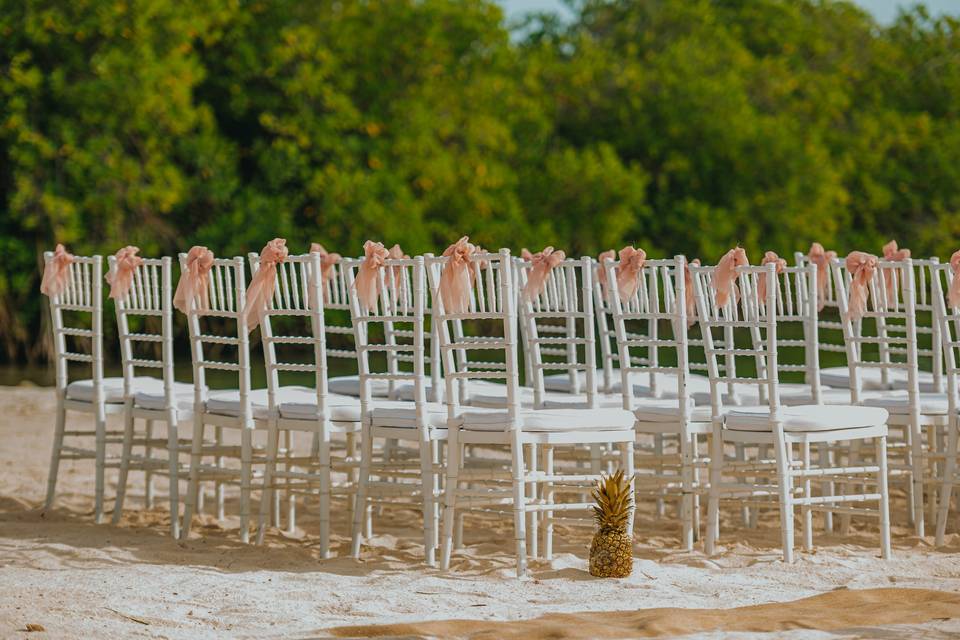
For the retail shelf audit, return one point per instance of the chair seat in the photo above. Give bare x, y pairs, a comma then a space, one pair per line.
665, 410
390, 413
748, 394
82, 390
405, 391
806, 418
898, 403
227, 403
341, 408
870, 379
666, 383
183, 398
350, 386
546, 420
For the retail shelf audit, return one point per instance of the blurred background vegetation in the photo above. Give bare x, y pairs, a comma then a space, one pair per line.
682, 126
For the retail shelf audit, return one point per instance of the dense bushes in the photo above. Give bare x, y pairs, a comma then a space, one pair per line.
680, 125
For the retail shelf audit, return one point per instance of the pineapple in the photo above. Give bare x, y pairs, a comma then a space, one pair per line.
611, 552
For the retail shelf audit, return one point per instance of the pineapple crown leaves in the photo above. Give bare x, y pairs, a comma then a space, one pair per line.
614, 499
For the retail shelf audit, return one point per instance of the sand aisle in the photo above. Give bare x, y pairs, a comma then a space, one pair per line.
77, 579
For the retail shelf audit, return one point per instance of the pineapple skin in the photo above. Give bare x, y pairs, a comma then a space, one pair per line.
611, 553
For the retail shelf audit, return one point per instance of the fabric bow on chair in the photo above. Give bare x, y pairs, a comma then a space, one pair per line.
543, 263
628, 273
818, 256
194, 281
861, 266
327, 262
264, 281
56, 272
457, 278
688, 293
601, 277
122, 279
953, 294
725, 276
768, 258
367, 284
894, 254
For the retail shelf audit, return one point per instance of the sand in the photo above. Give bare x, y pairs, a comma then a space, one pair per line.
77, 579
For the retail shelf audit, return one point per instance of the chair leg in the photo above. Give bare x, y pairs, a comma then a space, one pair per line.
946, 487
533, 517
454, 455
519, 505
269, 482
288, 482
193, 487
658, 453
548, 493
881, 445
786, 497
148, 472
173, 461
428, 495
128, 422
361, 509
825, 460
323, 455
101, 461
917, 474
686, 498
55, 455
713, 506
246, 480
626, 459
218, 485
806, 514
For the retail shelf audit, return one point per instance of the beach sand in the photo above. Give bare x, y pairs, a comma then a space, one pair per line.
77, 579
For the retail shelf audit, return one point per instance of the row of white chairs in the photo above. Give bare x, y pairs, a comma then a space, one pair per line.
446, 383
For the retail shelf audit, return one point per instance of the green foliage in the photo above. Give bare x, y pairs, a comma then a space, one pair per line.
683, 126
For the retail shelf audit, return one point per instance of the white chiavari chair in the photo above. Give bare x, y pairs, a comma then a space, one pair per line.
219, 341
781, 427
947, 317
145, 306
489, 326
651, 331
888, 342
293, 335
77, 321
397, 327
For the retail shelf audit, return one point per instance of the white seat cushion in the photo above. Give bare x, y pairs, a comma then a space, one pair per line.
82, 390
806, 418
227, 403
183, 398
341, 408
666, 383
666, 410
350, 386
546, 420
870, 379
898, 402
748, 394
389, 413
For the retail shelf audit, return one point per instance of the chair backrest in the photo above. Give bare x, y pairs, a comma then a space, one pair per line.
830, 342
606, 332
220, 326
150, 296
297, 311
558, 326
947, 321
82, 298
891, 344
745, 312
481, 342
337, 325
797, 329
394, 328
926, 322
651, 328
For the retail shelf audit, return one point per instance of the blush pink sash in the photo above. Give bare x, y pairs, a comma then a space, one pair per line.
543, 263
264, 281
768, 258
725, 276
822, 259
194, 281
367, 284
56, 272
862, 267
122, 279
457, 278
